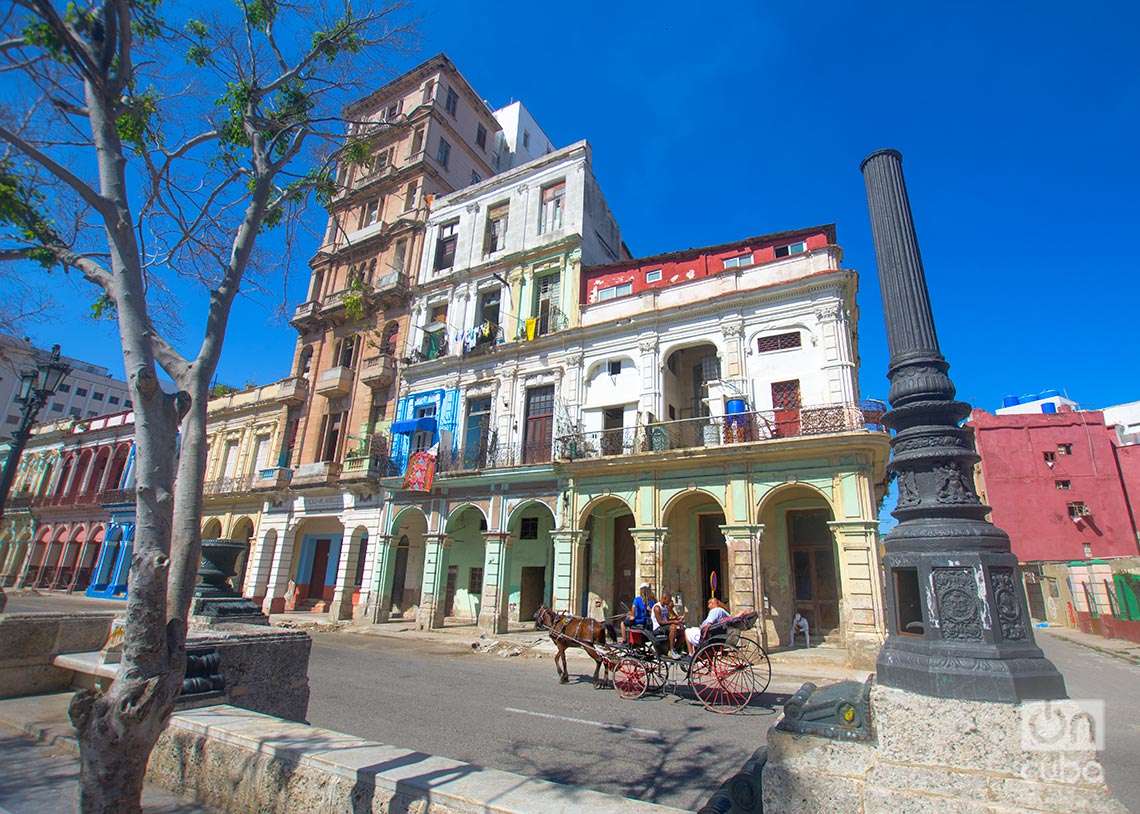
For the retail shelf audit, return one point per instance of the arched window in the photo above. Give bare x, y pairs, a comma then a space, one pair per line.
305, 364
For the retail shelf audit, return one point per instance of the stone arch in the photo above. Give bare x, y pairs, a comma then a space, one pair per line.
52, 555
599, 500
104, 574
463, 507
694, 556
318, 545
69, 558
799, 560
609, 556
118, 465
686, 369
89, 557
465, 559
98, 470
352, 585
530, 582
212, 529
82, 468
403, 588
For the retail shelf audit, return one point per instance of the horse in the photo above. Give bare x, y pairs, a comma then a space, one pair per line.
575, 631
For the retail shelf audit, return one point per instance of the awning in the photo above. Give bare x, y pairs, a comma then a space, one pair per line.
414, 425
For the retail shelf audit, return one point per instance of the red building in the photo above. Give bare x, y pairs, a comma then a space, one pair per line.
1059, 484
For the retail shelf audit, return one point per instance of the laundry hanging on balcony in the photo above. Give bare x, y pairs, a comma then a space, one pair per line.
531, 327
421, 470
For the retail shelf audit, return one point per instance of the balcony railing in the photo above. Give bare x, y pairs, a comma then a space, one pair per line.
716, 431
305, 314
112, 496
236, 485
334, 381
369, 460
19, 502
433, 349
378, 371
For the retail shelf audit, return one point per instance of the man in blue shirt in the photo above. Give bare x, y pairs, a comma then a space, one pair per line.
638, 616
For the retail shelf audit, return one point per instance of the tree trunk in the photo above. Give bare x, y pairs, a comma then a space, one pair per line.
187, 534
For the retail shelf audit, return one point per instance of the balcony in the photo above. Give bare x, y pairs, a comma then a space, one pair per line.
271, 480
385, 290
306, 315
434, 347
335, 381
238, 485
20, 502
292, 390
369, 461
321, 473
378, 371
717, 431
487, 454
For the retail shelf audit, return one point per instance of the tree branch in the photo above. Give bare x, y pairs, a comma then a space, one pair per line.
85, 191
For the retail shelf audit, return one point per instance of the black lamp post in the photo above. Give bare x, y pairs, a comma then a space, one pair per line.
957, 619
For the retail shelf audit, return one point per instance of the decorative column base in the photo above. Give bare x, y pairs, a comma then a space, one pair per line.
494, 612
429, 615
649, 542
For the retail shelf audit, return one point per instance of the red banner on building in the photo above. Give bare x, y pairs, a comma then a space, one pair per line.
420, 473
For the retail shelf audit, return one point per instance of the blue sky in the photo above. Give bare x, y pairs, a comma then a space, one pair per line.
1018, 123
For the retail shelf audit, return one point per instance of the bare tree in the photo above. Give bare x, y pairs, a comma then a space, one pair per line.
147, 147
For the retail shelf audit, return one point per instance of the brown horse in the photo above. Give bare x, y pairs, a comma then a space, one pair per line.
575, 631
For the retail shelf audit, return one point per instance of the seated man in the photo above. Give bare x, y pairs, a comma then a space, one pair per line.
638, 616
693, 635
665, 624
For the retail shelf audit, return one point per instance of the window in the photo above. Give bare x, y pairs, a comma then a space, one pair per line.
429, 89
1078, 509
81, 391
128, 403
546, 302
445, 245
1064, 449
344, 352
56, 407
614, 291
767, 344
488, 308
615, 367
330, 435
1049, 457
495, 236
75, 412
539, 424
423, 439
1062, 485
435, 333
475, 178
528, 528
393, 110
550, 218
790, 249
452, 103
410, 197
653, 276
417, 141
475, 580
443, 154
786, 395
738, 261
481, 136
112, 399
97, 396
64, 388
369, 213
526, 139
399, 257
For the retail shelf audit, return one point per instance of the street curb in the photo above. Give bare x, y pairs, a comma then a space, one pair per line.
1116, 654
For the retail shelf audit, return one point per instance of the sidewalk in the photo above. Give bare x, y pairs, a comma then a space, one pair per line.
1117, 648
41, 767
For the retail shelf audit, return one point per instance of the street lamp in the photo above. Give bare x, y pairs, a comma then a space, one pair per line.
36, 387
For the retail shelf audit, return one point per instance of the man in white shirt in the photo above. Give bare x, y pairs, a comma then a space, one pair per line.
693, 634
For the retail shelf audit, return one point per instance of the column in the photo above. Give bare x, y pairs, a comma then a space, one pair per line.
383, 555
861, 613
279, 573
732, 365
430, 612
493, 605
260, 563
648, 366
744, 589
649, 541
568, 567
341, 605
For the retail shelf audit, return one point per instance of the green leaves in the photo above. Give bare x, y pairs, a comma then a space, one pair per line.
341, 38
357, 151
21, 210
104, 308
354, 299
259, 13
199, 52
135, 124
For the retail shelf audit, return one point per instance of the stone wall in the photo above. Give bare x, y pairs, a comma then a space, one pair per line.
29, 642
235, 760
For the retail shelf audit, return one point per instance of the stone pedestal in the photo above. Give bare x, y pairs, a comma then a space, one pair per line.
931, 755
215, 601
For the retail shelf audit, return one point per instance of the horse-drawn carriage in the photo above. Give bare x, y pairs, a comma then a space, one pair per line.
726, 670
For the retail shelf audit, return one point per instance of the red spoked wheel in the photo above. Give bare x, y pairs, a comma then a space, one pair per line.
722, 678
630, 679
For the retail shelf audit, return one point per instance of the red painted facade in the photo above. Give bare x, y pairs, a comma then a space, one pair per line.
1031, 495
692, 264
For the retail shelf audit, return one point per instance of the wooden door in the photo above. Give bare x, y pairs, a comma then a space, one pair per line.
539, 430
399, 576
786, 406
320, 565
625, 562
449, 595
714, 558
531, 589
815, 577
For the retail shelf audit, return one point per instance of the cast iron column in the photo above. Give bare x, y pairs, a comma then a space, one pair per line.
957, 619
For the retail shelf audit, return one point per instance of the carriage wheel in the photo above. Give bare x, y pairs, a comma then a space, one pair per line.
630, 679
755, 655
658, 675
721, 678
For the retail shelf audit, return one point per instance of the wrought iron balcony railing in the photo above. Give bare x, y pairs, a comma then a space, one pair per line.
369, 460
716, 431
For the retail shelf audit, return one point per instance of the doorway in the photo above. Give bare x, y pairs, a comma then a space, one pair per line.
714, 559
815, 578
625, 561
531, 589
399, 576
320, 566
449, 596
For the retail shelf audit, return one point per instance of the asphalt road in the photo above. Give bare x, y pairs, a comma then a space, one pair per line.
513, 714
1089, 674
